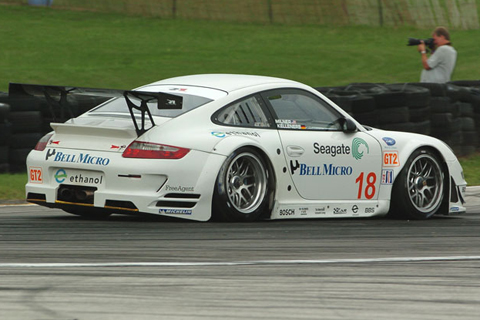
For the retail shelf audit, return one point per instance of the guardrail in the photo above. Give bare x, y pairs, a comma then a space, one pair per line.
449, 112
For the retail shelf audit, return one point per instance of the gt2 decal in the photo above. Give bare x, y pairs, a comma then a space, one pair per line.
36, 175
370, 189
390, 159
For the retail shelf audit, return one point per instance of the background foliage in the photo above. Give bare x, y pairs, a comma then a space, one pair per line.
461, 14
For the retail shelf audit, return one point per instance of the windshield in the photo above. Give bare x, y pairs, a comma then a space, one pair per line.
193, 97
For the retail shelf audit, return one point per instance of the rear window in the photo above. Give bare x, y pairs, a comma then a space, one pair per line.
193, 97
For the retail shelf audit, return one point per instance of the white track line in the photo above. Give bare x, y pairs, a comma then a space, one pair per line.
233, 263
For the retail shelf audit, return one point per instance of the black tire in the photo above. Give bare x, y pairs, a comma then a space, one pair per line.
424, 127
436, 89
393, 115
5, 133
419, 114
367, 118
4, 110
420, 186
4, 151
24, 140
416, 96
403, 127
27, 121
244, 189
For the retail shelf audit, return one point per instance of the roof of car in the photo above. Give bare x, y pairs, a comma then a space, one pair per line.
225, 82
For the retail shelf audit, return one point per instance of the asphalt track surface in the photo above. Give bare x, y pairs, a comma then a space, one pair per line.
58, 266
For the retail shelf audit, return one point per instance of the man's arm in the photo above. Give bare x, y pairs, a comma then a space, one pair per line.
423, 52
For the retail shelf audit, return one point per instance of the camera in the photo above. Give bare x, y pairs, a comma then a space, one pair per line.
428, 42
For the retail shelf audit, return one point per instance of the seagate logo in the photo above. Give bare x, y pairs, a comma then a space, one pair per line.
357, 143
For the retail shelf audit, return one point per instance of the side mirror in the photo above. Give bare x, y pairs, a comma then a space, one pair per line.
348, 125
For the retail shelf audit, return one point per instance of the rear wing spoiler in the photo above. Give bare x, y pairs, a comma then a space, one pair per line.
56, 98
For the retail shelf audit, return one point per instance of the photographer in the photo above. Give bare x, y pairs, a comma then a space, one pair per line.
439, 66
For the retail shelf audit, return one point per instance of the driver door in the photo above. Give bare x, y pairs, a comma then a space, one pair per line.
325, 161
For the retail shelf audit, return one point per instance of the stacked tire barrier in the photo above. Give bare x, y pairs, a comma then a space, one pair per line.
24, 121
449, 112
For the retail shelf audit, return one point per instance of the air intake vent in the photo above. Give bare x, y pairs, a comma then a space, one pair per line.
176, 204
183, 195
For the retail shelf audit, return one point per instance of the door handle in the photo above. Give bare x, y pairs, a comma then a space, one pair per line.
295, 151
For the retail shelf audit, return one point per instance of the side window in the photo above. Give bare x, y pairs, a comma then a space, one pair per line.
296, 109
244, 113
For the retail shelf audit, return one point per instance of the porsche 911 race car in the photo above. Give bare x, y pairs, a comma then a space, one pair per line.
236, 148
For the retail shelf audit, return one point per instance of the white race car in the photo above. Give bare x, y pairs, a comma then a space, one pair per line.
236, 148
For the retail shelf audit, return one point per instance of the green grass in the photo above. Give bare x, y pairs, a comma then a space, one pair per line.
47, 46
471, 170
12, 186
43, 45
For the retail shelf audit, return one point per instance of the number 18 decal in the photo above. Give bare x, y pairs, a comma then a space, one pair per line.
369, 190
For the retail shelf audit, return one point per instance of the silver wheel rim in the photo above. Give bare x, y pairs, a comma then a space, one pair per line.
246, 182
425, 183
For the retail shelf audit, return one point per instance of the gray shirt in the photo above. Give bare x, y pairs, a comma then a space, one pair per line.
442, 63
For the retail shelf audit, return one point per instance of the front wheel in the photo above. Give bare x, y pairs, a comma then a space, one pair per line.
419, 189
244, 187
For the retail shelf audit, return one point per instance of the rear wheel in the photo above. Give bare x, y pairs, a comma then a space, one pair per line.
418, 191
243, 187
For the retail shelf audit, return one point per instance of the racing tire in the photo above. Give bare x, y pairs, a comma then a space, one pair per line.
244, 189
419, 188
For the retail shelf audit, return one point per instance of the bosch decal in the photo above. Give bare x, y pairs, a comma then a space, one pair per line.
287, 212
74, 158
321, 170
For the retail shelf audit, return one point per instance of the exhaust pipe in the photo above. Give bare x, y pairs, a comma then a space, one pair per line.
83, 195
66, 194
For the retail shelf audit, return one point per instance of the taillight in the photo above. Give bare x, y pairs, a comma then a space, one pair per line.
148, 150
42, 143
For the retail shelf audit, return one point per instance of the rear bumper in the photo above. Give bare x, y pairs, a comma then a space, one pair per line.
176, 188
